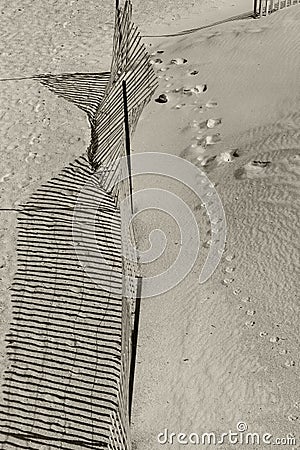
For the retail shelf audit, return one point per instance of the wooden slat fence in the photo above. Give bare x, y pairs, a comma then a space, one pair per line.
266, 7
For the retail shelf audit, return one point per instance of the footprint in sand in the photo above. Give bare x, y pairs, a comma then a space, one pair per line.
199, 89
178, 61
156, 61
282, 352
230, 257
207, 162
206, 124
263, 334
274, 339
254, 169
207, 244
193, 153
226, 157
290, 363
229, 269
193, 90
198, 109
237, 291
210, 140
212, 123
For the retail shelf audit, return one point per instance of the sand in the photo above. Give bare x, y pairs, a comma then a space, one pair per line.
226, 351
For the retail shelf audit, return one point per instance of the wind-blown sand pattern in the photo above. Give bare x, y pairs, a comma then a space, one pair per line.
228, 350
66, 385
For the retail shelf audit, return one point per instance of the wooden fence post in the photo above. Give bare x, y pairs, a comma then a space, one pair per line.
255, 8
134, 341
261, 8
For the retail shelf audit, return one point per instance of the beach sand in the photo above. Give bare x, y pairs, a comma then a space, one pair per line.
210, 355
213, 355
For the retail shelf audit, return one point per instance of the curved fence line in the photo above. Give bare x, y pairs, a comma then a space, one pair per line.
260, 8
247, 15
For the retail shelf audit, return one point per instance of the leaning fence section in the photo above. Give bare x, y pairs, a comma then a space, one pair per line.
132, 84
266, 7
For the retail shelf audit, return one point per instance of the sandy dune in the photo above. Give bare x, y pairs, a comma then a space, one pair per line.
226, 351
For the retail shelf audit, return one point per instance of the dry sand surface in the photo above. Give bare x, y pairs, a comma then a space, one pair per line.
227, 351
